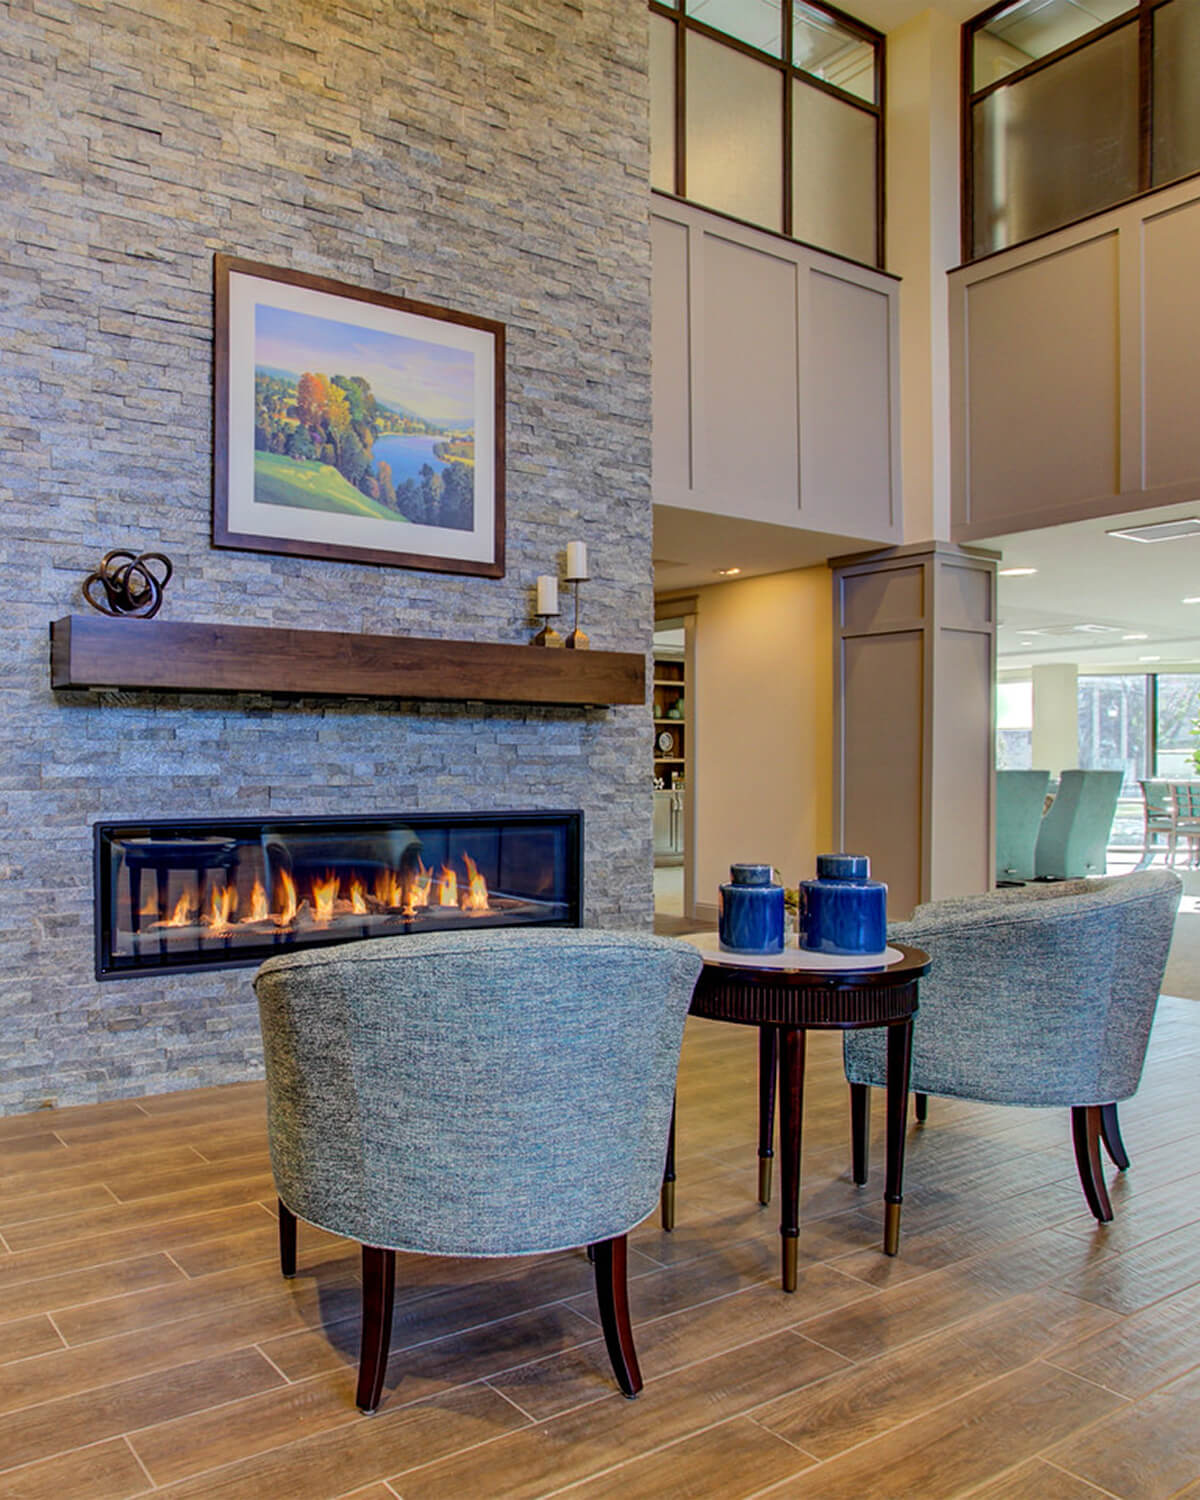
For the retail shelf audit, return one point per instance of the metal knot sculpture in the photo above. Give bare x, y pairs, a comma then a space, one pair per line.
126, 583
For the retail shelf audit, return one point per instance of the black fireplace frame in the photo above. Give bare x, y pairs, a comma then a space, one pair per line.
104, 832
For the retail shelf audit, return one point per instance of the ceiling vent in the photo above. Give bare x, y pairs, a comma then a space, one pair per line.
1060, 631
1161, 531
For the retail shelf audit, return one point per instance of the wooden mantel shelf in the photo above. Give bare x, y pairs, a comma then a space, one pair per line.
97, 651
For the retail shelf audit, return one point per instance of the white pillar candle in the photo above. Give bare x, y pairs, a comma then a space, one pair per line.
576, 560
547, 594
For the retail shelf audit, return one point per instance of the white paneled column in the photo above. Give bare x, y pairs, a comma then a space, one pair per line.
1056, 717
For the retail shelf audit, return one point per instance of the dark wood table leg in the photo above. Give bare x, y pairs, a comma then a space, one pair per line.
791, 1118
899, 1063
860, 1131
768, 1062
666, 1197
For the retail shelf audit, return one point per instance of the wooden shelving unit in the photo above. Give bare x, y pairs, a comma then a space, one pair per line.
670, 722
96, 651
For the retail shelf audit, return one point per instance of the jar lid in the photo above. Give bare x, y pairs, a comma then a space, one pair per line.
843, 866
750, 874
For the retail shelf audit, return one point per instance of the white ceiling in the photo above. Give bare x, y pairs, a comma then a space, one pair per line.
1087, 578
887, 15
690, 548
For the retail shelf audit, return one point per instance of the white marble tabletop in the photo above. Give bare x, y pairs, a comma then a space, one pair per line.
792, 958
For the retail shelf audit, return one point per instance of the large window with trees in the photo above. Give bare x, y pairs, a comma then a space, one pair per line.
1069, 109
771, 113
1144, 724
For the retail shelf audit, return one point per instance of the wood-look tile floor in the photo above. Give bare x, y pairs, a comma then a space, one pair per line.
1013, 1351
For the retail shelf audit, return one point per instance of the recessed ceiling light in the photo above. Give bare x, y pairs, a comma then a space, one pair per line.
1017, 572
1135, 637
1149, 658
1193, 599
1160, 531
727, 572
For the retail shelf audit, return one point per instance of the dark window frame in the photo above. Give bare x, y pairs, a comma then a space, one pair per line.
1140, 14
787, 71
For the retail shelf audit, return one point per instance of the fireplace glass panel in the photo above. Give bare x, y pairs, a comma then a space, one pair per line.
191, 895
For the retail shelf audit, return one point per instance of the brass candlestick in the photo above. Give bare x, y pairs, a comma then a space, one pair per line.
577, 572
577, 640
547, 635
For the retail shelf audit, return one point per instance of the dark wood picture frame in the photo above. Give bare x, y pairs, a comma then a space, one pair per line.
341, 525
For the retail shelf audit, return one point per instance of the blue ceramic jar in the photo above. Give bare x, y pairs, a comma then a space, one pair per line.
751, 911
842, 910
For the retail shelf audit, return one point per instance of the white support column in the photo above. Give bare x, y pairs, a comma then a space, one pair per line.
922, 245
1056, 717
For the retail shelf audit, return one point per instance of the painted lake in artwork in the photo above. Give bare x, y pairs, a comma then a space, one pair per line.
406, 453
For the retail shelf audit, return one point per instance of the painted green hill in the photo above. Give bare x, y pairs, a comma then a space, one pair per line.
306, 485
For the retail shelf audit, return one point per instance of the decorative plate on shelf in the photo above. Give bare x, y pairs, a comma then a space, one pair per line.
666, 742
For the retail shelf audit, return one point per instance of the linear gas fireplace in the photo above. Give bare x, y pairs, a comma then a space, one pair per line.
216, 893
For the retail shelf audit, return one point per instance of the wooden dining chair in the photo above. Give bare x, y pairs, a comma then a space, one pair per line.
1185, 809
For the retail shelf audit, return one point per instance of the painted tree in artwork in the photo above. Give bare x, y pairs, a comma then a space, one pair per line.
312, 395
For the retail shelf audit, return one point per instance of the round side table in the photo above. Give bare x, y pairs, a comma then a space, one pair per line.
786, 995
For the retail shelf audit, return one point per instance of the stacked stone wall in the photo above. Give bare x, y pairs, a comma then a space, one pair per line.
491, 158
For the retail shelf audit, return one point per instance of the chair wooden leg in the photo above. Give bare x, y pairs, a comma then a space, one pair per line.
1110, 1134
287, 1239
860, 1130
612, 1293
379, 1292
921, 1107
666, 1195
1085, 1130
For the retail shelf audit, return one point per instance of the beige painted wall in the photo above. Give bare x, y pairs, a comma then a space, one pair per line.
763, 704
922, 245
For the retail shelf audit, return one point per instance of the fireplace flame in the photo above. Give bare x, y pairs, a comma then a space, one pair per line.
285, 900
475, 897
182, 910
454, 887
416, 890
259, 911
221, 907
324, 894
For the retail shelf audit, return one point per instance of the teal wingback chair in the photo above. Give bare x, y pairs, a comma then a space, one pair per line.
1038, 995
491, 1093
1020, 797
1073, 837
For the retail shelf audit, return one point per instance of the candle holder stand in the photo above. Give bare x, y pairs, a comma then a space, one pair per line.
577, 640
547, 635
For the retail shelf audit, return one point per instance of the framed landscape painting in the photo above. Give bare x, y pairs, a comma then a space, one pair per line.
357, 425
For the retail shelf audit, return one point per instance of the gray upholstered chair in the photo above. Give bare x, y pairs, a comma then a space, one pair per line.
1038, 995
1073, 836
1020, 797
499, 1092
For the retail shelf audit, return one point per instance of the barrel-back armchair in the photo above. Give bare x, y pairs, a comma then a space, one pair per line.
490, 1093
1039, 995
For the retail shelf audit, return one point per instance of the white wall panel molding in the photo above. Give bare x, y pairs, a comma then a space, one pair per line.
1074, 362
775, 379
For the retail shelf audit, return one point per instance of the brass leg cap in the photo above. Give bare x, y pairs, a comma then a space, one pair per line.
791, 1247
891, 1228
667, 1204
764, 1179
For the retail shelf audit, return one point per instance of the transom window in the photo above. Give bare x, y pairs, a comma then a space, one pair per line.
771, 111
1071, 107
